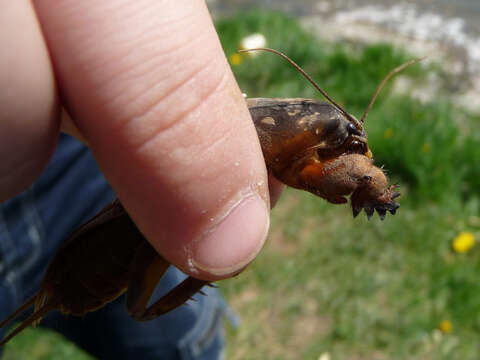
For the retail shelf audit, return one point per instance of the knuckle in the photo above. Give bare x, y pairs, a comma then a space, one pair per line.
159, 109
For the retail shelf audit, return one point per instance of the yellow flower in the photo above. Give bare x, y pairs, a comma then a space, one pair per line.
235, 59
426, 147
463, 242
388, 133
445, 326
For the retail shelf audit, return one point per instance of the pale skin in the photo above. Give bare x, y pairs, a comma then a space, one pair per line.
148, 88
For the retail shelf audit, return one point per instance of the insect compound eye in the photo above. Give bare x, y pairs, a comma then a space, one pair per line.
353, 130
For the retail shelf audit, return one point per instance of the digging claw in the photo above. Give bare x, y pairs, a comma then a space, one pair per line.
382, 213
369, 212
382, 206
393, 208
355, 211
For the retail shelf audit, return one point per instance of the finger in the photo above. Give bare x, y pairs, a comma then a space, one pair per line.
28, 102
149, 87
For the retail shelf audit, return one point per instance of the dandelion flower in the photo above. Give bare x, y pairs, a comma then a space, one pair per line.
235, 59
445, 326
463, 242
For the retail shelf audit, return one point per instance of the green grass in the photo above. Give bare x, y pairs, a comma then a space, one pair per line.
354, 288
41, 344
358, 289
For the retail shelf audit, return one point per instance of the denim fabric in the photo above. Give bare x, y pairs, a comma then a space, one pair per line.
35, 223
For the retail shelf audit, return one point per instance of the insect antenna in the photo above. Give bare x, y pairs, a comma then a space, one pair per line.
20, 310
357, 123
384, 81
30, 320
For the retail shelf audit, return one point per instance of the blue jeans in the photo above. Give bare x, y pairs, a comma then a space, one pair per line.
35, 223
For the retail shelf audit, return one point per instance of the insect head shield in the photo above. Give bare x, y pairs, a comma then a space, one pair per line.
338, 135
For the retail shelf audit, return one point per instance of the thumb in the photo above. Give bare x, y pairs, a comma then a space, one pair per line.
148, 86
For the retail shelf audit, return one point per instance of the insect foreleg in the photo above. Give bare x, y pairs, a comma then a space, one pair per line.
147, 269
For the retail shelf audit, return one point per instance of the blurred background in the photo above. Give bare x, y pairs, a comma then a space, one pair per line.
327, 286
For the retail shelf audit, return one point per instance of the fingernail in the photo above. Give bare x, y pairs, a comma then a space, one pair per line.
236, 240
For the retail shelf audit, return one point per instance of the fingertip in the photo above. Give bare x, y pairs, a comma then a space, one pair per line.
234, 242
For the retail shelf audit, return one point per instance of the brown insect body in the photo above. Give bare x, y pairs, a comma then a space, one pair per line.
321, 148
307, 144
291, 129
69, 288
114, 267
311, 145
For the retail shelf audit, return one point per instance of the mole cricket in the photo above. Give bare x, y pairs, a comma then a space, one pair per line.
307, 144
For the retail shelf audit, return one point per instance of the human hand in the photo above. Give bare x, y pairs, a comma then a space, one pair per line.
147, 85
